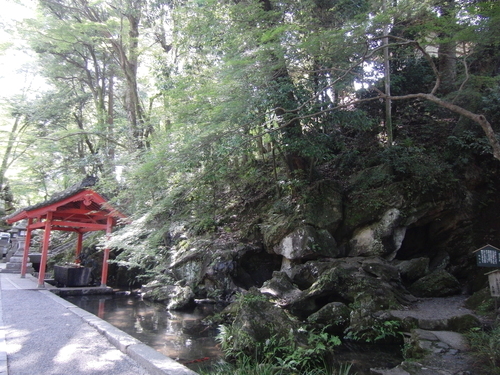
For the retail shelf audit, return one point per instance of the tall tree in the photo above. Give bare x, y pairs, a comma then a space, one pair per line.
447, 48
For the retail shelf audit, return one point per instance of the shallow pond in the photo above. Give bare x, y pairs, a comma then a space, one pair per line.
181, 336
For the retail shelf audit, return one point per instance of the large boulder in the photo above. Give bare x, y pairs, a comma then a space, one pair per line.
437, 284
255, 320
413, 269
333, 317
364, 204
281, 288
370, 323
320, 211
175, 297
306, 242
323, 208
341, 280
380, 269
383, 238
306, 274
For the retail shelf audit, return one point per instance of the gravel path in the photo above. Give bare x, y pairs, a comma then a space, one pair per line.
435, 308
44, 338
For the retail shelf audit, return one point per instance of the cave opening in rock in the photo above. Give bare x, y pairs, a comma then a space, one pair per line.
416, 243
254, 268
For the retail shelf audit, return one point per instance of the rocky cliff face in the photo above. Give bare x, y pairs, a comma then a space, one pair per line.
342, 254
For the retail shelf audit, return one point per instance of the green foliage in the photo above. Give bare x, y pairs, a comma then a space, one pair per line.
389, 328
231, 90
138, 249
467, 145
487, 307
248, 367
378, 331
485, 345
423, 171
482, 302
412, 352
285, 353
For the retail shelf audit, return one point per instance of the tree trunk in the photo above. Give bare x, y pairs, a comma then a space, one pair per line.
447, 50
5, 194
387, 82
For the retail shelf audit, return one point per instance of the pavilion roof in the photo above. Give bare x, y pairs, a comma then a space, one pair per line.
76, 204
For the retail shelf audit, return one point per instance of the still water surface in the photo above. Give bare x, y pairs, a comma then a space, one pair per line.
181, 336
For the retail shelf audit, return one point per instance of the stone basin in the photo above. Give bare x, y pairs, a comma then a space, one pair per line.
71, 276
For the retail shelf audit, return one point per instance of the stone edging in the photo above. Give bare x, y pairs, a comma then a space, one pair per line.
153, 361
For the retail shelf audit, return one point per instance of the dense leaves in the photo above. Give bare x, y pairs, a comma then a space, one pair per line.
193, 110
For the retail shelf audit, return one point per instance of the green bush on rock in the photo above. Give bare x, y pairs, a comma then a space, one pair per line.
266, 334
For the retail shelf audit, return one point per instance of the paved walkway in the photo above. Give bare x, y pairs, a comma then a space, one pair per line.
42, 334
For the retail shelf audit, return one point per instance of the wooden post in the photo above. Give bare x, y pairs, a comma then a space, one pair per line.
24, 264
104, 275
45, 250
79, 243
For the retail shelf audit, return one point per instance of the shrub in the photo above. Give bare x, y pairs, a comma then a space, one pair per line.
247, 366
284, 353
485, 346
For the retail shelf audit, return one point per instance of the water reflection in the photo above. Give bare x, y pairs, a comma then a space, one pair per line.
179, 335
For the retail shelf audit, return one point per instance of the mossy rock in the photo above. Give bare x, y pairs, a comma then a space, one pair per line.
344, 280
305, 275
307, 242
333, 317
481, 301
256, 320
276, 227
463, 323
280, 287
323, 206
365, 206
368, 324
381, 269
413, 269
175, 297
437, 284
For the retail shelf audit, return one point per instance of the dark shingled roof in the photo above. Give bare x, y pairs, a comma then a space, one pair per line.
87, 182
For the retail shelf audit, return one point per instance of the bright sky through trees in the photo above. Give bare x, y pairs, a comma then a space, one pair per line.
14, 59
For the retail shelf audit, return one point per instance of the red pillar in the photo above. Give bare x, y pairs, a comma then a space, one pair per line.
24, 264
104, 275
79, 243
45, 249
101, 309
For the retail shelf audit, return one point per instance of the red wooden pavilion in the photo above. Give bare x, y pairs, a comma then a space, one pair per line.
78, 209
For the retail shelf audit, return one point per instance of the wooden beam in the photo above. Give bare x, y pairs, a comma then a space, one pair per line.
68, 224
73, 224
79, 211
